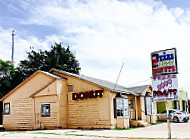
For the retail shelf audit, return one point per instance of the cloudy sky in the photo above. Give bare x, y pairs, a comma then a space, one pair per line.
103, 34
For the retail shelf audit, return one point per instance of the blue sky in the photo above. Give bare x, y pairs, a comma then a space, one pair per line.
184, 4
103, 34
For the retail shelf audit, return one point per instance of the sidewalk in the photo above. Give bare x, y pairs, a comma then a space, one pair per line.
179, 130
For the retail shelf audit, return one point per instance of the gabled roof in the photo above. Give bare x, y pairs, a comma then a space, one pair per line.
39, 71
99, 82
139, 89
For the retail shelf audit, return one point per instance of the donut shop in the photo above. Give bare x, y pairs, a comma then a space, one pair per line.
59, 99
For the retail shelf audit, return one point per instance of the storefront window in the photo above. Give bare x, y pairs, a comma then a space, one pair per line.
150, 106
45, 109
176, 104
7, 108
122, 107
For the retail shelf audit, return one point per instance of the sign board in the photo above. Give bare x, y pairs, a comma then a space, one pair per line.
164, 62
165, 87
87, 94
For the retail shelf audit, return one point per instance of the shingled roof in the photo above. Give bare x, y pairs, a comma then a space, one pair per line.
106, 84
138, 89
49, 74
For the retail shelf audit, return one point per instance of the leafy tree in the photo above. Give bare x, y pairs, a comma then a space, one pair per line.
59, 57
7, 73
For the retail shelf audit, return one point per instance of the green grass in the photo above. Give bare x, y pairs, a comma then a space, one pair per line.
45, 133
37, 133
130, 128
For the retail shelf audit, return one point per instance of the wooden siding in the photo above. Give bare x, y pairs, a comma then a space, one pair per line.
90, 112
21, 115
30, 87
21, 106
49, 121
63, 110
143, 109
113, 120
139, 108
48, 91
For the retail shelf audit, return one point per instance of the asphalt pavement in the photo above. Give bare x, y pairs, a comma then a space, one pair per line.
178, 130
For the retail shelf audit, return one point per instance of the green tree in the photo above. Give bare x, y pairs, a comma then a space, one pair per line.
7, 73
59, 57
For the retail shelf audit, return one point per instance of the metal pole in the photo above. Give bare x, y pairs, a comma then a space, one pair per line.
12, 57
168, 121
118, 76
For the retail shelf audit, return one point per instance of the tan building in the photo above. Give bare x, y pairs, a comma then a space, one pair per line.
64, 100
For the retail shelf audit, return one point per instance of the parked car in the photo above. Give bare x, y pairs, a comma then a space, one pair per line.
175, 115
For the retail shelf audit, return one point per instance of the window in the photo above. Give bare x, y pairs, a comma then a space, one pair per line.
176, 104
149, 106
45, 110
121, 108
131, 104
70, 88
6, 108
184, 105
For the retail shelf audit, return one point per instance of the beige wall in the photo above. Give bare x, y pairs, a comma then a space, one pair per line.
50, 121
21, 106
63, 103
113, 120
139, 108
55, 95
143, 116
90, 112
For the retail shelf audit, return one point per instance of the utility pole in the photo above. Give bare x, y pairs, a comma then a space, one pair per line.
12, 56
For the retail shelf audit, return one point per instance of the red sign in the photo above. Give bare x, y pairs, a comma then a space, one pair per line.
88, 94
164, 62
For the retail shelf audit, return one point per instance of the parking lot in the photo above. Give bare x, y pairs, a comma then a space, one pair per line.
179, 130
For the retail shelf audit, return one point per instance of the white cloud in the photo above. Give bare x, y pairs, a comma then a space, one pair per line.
110, 32
5, 44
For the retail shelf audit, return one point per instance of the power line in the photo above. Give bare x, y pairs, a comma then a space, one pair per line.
185, 71
188, 69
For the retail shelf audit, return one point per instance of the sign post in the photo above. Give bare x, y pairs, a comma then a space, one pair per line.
164, 80
168, 121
